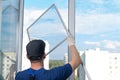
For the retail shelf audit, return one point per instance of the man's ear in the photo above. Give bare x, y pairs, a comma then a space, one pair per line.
44, 55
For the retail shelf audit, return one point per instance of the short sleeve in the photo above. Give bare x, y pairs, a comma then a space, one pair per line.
63, 72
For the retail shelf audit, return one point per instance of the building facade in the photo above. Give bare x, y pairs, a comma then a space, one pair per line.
102, 65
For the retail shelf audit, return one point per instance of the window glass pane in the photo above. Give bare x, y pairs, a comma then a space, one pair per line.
8, 34
48, 27
97, 33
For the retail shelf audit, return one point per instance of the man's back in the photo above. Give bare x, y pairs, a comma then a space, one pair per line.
58, 73
36, 55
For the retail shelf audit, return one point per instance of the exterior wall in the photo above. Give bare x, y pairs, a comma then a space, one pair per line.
102, 65
114, 66
97, 64
8, 64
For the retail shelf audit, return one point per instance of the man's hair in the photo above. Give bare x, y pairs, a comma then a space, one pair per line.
35, 49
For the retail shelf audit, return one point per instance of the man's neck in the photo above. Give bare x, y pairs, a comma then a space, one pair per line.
37, 65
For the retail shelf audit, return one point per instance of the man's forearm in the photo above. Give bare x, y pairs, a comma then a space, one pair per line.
76, 60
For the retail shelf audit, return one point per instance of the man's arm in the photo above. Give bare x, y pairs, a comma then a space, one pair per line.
76, 60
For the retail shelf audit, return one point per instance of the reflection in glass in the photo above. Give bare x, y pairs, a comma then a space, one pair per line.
8, 32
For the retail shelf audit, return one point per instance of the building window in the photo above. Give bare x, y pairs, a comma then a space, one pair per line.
115, 58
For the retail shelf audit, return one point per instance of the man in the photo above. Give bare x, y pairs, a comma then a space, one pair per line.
36, 55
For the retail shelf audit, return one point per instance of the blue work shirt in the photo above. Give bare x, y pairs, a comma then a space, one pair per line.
57, 73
